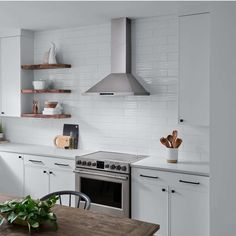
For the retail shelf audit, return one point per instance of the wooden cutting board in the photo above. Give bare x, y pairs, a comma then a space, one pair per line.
62, 141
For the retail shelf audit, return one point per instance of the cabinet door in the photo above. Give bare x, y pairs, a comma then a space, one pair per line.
189, 207
149, 199
62, 180
194, 69
11, 174
36, 181
10, 76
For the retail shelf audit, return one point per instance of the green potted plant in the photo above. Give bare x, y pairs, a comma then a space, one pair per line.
28, 212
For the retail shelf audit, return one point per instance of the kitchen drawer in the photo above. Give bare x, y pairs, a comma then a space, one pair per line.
160, 177
191, 182
61, 164
34, 160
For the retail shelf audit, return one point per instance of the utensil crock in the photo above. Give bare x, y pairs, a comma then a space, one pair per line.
172, 155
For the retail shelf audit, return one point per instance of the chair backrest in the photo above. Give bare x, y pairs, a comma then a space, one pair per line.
79, 196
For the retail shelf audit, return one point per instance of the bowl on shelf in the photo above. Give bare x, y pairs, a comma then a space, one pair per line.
39, 84
50, 104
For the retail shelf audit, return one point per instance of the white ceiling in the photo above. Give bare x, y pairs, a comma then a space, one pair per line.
36, 15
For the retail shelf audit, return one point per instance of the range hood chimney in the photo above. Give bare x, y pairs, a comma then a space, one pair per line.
120, 81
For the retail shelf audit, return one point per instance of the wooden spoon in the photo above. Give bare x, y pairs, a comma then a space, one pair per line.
165, 142
177, 143
170, 139
174, 135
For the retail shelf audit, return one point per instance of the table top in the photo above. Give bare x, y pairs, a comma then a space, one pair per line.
79, 222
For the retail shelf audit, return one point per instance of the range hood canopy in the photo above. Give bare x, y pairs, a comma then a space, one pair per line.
120, 81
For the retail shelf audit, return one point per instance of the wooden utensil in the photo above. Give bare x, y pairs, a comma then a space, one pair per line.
165, 142
177, 142
174, 135
170, 139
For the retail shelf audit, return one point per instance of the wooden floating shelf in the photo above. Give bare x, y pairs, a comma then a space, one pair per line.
45, 66
29, 91
61, 116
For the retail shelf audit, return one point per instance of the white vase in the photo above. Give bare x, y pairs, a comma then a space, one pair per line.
172, 155
52, 54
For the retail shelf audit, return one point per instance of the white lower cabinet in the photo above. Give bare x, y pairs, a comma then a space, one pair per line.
177, 202
46, 174
11, 173
36, 181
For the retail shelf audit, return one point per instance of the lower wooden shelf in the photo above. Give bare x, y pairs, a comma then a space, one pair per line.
59, 116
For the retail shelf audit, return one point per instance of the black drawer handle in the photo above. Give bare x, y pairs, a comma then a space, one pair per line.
188, 182
59, 164
35, 161
148, 176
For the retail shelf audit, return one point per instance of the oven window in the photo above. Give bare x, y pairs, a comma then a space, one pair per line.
102, 192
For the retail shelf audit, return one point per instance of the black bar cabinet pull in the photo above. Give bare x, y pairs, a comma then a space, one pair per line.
59, 164
148, 176
173, 191
35, 161
163, 190
188, 182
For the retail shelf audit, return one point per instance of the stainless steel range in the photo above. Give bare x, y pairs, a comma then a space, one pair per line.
105, 178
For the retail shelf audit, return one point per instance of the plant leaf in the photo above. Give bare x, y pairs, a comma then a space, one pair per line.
2, 219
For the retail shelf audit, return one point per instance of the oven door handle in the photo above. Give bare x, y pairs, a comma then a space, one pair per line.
99, 174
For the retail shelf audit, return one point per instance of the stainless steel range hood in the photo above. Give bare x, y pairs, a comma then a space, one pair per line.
120, 81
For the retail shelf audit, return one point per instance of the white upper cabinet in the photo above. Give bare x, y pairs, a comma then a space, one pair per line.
14, 50
194, 69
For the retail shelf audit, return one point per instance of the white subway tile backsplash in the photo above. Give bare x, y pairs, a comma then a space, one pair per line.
131, 124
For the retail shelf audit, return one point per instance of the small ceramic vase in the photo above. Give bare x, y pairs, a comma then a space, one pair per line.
52, 54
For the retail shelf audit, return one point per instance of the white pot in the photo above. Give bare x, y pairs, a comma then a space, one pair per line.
39, 84
172, 155
1, 135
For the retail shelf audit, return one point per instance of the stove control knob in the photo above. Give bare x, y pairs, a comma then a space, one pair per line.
89, 163
79, 162
94, 164
107, 166
83, 163
112, 167
123, 168
118, 167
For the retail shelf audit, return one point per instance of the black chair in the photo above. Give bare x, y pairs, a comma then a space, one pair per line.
80, 196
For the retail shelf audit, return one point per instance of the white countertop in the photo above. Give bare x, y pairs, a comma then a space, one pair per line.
42, 150
195, 168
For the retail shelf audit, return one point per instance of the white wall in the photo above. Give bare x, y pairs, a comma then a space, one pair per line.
127, 124
223, 117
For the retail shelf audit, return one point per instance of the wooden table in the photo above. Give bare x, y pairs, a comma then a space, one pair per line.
78, 222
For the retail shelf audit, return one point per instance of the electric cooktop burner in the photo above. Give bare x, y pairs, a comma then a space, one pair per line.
114, 156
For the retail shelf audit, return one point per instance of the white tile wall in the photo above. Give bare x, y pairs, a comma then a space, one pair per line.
125, 124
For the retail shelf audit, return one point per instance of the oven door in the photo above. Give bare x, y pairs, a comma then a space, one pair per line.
109, 192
